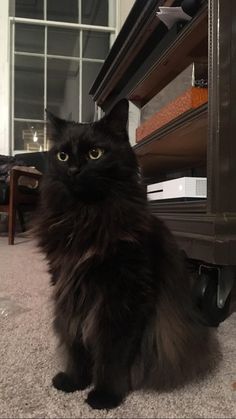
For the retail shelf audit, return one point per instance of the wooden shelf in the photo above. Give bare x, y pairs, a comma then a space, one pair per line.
181, 144
208, 237
190, 99
193, 206
168, 57
189, 45
202, 139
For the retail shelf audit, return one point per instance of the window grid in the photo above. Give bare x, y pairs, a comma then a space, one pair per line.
81, 70
80, 27
59, 57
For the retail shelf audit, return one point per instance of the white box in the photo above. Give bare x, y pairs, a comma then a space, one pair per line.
184, 187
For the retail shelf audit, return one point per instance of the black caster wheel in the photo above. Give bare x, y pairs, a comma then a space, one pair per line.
205, 293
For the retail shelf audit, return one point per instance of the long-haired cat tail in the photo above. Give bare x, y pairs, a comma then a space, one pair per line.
122, 300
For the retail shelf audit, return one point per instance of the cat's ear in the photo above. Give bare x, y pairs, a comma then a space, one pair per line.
117, 118
55, 126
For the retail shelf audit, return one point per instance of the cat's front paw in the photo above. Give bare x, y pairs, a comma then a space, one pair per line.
63, 382
103, 400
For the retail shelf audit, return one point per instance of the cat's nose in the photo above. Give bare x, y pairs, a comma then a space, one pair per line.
72, 171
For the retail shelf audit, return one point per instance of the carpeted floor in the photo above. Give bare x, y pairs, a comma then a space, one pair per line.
28, 357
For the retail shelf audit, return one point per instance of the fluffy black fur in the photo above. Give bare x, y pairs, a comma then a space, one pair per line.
122, 296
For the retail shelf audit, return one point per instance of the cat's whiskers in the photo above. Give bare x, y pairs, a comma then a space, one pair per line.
70, 238
56, 223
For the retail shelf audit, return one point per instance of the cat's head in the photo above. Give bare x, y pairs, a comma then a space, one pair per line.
93, 159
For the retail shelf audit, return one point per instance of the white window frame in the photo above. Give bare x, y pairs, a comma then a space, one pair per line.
113, 30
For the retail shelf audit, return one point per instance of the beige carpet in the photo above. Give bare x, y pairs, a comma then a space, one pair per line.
28, 357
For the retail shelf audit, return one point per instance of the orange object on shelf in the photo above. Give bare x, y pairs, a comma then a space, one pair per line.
191, 99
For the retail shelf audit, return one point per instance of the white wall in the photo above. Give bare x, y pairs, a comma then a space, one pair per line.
134, 113
134, 122
124, 9
4, 78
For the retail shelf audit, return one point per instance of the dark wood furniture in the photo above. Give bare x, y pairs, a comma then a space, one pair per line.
144, 58
18, 197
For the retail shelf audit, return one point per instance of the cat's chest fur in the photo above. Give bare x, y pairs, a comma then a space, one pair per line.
78, 305
91, 286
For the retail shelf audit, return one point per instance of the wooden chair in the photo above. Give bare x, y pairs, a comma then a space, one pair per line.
18, 197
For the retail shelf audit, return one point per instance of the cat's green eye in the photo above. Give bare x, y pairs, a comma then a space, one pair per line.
62, 156
95, 153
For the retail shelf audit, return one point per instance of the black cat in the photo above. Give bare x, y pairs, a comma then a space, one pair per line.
122, 295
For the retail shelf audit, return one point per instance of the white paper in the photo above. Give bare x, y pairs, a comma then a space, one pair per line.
170, 15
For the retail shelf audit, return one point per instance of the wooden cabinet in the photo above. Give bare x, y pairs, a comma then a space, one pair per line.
146, 57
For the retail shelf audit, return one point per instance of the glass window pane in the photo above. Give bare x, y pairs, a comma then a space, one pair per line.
95, 12
90, 71
95, 44
29, 136
29, 38
30, 9
63, 88
63, 42
63, 10
29, 87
